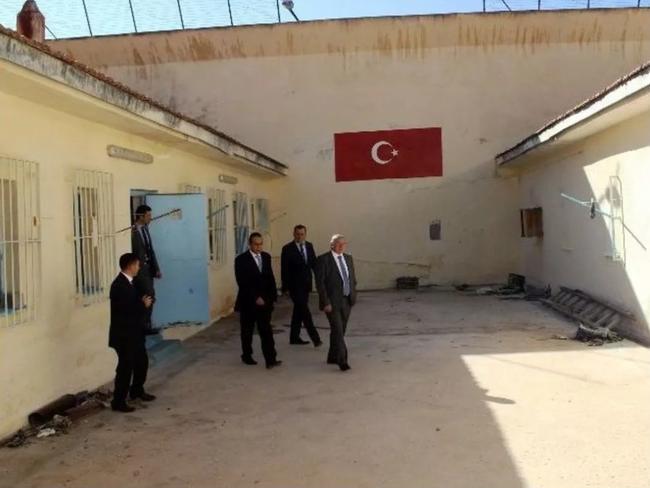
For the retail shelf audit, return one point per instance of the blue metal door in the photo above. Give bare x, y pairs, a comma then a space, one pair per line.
180, 242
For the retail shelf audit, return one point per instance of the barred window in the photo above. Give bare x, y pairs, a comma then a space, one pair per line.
217, 225
94, 234
240, 213
20, 244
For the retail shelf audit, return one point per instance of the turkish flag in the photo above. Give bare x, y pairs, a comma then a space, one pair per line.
400, 153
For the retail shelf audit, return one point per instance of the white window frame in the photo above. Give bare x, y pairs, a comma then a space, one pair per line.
217, 225
94, 234
20, 237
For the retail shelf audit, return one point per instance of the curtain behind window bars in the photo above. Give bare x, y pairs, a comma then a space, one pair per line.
262, 223
241, 222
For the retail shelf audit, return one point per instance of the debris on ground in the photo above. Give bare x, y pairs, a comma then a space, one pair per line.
596, 337
486, 290
408, 283
598, 320
44, 414
60, 423
559, 337
18, 439
535, 293
45, 433
515, 288
96, 400
57, 426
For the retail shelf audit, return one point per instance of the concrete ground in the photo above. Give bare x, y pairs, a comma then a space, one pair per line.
446, 391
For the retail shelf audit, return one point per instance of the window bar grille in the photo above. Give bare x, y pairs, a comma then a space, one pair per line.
12, 178
20, 244
221, 228
34, 223
94, 233
5, 260
23, 242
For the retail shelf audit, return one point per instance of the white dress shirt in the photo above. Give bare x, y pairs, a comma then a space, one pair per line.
130, 278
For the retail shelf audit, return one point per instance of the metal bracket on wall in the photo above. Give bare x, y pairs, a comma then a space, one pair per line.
615, 218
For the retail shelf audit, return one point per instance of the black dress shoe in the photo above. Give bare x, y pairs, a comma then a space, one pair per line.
151, 331
145, 397
273, 364
298, 342
318, 343
331, 361
344, 366
122, 407
249, 361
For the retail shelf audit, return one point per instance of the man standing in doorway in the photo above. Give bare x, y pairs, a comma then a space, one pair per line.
126, 335
255, 298
337, 293
142, 247
298, 262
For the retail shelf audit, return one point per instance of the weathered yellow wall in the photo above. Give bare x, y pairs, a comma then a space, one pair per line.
487, 79
576, 250
65, 350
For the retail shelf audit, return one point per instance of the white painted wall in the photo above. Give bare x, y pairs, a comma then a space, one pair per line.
487, 80
576, 250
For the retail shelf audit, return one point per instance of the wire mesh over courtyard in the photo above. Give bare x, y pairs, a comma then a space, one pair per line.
81, 18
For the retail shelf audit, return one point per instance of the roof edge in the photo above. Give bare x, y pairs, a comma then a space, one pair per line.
32, 55
618, 92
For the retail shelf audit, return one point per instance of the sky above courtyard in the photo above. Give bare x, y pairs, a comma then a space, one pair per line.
67, 18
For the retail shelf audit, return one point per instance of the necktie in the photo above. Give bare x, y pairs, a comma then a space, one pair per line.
146, 237
258, 260
345, 276
302, 251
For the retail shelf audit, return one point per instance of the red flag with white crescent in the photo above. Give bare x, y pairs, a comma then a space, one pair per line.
384, 154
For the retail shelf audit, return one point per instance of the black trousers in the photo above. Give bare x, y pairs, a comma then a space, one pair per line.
131, 371
302, 315
338, 319
260, 317
144, 282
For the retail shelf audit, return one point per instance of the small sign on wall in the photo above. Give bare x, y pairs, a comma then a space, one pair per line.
128, 154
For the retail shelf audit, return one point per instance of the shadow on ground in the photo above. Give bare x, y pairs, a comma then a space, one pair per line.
446, 391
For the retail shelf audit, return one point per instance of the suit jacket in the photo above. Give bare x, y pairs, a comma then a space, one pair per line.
127, 312
329, 282
297, 276
146, 254
254, 284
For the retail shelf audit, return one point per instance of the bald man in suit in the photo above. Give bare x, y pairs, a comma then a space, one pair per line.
337, 293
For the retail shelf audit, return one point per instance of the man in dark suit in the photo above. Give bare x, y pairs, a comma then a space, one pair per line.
142, 246
126, 335
297, 263
257, 294
337, 293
